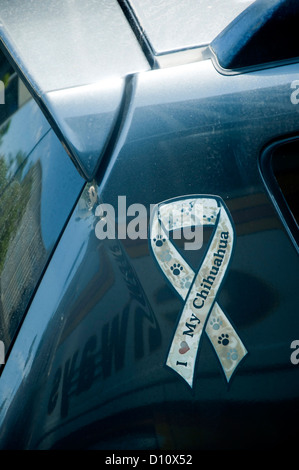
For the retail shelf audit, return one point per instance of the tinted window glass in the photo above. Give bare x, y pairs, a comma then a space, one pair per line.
15, 92
280, 169
285, 161
39, 186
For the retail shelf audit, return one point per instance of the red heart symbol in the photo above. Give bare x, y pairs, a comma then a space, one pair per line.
184, 347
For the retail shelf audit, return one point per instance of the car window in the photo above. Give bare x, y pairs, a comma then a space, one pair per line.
285, 161
280, 169
15, 92
39, 186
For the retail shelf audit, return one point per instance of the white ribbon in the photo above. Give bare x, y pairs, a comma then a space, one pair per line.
198, 289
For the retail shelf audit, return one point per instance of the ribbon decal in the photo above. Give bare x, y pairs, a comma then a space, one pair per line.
198, 290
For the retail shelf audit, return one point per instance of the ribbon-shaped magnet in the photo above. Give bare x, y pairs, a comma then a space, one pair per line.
199, 289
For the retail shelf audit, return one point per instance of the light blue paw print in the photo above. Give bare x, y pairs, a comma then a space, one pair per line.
165, 256
216, 323
232, 355
186, 282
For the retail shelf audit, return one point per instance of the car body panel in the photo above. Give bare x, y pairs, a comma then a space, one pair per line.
89, 372
86, 118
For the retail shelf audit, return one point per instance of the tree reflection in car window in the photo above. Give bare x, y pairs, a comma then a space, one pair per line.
35, 175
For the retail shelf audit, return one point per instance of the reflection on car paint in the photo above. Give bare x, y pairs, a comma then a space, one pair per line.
108, 350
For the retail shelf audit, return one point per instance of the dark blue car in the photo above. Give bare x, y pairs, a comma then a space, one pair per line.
149, 163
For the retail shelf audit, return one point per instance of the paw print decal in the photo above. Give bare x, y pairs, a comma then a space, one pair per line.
159, 240
232, 355
216, 323
223, 339
176, 269
165, 255
186, 282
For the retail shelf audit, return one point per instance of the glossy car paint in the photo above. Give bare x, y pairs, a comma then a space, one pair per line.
87, 368
74, 45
